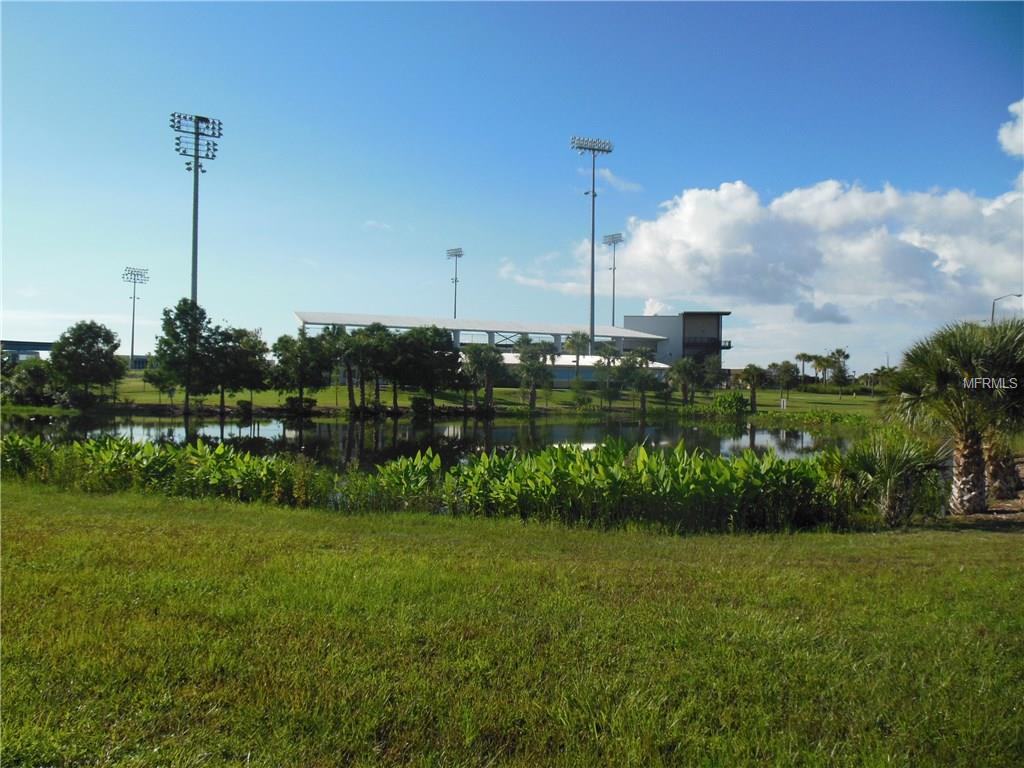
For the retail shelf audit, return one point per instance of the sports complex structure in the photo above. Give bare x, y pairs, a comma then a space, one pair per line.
669, 337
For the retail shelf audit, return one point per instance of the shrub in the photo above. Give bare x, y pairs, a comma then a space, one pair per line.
420, 406
891, 474
299, 405
580, 397
610, 485
730, 404
28, 384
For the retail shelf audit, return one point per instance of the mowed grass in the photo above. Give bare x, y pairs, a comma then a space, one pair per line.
146, 631
132, 388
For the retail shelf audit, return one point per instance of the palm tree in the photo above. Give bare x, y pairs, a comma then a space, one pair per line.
821, 367
937, 382
548, 351
532, 369
753, 376
837, 363
336, 344
685, 374
786, 374
359, 354
483, 365
577, 343
1000, 468
604, 369
634, 371
803, 358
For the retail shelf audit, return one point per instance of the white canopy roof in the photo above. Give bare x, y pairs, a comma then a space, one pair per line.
569, 361
507, 327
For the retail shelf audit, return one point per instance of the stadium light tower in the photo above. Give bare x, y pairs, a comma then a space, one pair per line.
595, 147
456, 254
135, 276
196, 142
613, 240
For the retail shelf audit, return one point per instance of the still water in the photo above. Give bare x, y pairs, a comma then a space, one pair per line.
371, 441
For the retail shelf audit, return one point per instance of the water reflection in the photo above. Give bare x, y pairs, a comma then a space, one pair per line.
373, 441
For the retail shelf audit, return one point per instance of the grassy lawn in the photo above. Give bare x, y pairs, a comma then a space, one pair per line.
145, 631
134, 389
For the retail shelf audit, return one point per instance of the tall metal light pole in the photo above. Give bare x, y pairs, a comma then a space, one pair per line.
456, 254
594, 147
197, 143
992, 321
613, 241
135, 276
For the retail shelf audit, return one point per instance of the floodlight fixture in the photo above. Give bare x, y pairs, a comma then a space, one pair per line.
456, 254
613, 241
136, 276
595, 147
583, 144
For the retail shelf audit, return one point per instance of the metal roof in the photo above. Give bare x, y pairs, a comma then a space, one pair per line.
479, 326
586, 361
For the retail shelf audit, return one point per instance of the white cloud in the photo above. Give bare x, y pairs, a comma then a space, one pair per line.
872, 266
1011, 134
656, 307
617, 182
377, 226
826, 313
828, 244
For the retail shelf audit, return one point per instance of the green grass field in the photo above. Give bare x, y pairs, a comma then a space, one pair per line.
132, 388
153, 632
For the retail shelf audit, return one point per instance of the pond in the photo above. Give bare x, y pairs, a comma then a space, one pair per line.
372, 441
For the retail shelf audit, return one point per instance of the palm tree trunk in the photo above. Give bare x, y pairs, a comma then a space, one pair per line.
489, 393
394, 396
753, 400
968, 493
533, 397
1000, 470
351, 387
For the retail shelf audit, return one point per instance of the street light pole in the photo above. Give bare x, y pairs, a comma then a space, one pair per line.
134, 275
594, 147
613, 241
456, 254
992, 320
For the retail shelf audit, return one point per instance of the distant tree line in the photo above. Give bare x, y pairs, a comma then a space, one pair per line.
82, 362
233, 360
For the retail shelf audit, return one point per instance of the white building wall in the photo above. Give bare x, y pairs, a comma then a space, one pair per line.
669, 326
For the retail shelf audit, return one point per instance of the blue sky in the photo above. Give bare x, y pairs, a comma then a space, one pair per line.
768, 158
